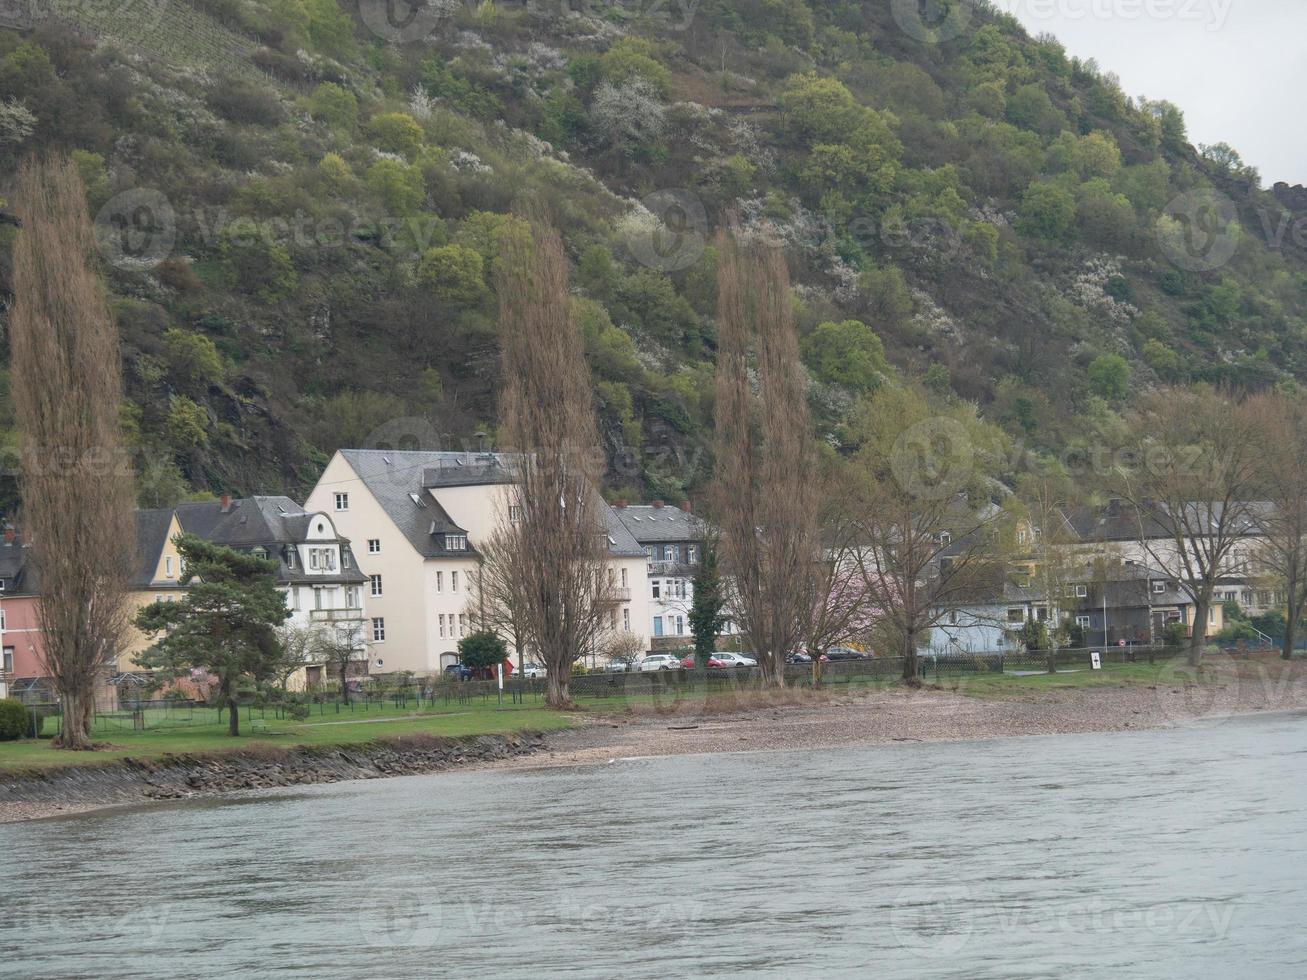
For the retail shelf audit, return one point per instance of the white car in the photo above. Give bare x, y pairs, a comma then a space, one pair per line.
533, 670
735, 660
660, 661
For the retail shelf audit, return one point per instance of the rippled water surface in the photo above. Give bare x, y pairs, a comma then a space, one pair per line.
1158, 854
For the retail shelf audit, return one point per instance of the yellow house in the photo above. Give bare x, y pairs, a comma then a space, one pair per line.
156, 576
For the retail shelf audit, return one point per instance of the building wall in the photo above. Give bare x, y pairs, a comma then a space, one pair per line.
22, 633
402, 603
165, 584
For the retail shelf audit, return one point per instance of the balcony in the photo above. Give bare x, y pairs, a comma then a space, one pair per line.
677, 568
336, 615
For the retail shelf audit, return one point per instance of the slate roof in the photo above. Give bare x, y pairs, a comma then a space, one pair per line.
395, 477
273, 523
151, 537
656, 525
1119, 521
16, 569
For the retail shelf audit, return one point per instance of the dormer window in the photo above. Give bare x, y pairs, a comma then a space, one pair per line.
1082, 591
417, 499
260, 552
167, 567
1159, 587
456, 542
290, 557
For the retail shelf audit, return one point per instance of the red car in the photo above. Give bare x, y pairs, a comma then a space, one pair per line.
713, 663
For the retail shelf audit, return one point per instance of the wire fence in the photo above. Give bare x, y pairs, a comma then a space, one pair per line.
436, 695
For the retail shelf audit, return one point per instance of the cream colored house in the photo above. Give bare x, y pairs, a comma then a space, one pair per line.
155, 578
415, 519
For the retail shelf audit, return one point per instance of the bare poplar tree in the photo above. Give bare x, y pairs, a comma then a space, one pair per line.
76, 478
1280, 421
1194, 490
765, 460
556, 536
1048, 544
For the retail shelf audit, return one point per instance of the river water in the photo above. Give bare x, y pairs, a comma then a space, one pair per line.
1157, 854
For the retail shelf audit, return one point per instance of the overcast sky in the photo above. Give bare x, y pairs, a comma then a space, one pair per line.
1238, 68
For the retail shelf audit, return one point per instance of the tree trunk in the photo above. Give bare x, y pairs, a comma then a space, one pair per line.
1291, 614
910, 660
816, 669
344, 682
558, 682
233, 716
1198, 635
73, 733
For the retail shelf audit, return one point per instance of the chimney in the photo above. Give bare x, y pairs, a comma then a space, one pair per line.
685, 506
620, 505
658, 505
226, 503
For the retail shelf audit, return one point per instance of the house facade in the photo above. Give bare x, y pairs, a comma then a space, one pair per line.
671, 538
417, 519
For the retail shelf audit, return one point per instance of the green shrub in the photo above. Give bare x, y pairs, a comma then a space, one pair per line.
14, 720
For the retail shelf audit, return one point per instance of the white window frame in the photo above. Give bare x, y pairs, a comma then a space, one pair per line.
1083, 622
374, 546
341, 501
440, 581
1082, 591
1159, 587
374, 581
453, 581
167, 567
378, 629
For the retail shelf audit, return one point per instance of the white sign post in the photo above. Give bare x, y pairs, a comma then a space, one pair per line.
1096, 660
499, 673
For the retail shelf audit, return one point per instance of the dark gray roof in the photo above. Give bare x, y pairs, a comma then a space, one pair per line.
151, 537
394, 478
654, 525
1119, 520
17, 569
272, 523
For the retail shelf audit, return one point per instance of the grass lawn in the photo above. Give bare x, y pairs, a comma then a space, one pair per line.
204, 733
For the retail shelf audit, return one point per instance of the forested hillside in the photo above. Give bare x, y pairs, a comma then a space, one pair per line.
301, 204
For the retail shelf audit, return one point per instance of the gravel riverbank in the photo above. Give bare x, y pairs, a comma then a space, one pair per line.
737, 721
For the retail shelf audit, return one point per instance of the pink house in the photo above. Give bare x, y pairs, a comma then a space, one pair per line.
20, 633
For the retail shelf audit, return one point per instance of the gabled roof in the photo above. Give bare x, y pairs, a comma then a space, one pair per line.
247, 522
400, 482
151, 536
650, 524
272, 523
16, 569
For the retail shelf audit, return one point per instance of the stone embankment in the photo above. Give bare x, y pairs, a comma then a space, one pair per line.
24, 795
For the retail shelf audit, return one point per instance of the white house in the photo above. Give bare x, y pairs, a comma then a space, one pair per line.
671, 539
316, 569
417, 518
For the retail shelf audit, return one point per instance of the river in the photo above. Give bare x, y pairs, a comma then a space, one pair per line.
1156, 854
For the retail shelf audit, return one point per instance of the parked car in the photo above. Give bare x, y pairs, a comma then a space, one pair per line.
660, 661
458, 672
838, 654
736, 660
533, 669
713, 663
617, 667
799, 657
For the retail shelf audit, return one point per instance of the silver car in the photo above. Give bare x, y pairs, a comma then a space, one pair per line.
736, 660
660, 661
